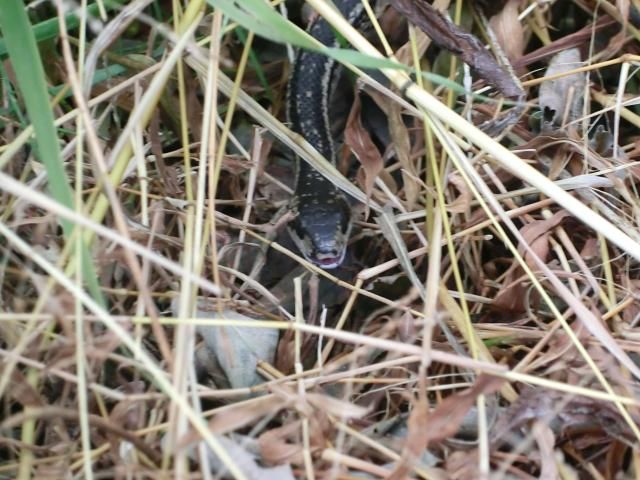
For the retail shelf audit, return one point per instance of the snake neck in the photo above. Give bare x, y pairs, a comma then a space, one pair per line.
310, 86
323, 222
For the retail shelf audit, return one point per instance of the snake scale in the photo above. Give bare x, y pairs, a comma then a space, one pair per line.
322, 222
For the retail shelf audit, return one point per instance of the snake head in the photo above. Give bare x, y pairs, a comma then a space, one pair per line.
321, 228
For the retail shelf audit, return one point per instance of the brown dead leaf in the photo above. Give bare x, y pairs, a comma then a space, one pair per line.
22, 392
564, 415
509, 31
235, 164
445, 420
51, 470
130, 414
280, 445
402, 146
616, 459
451, 37
512, 297
576, 39
629, 314
417, 438
244, 414
360, 143
463, 201
194, 107
333, 406
390, 182
462, 465
242, 450
537, 234
590, 249
405, 53
285, 354
546, 441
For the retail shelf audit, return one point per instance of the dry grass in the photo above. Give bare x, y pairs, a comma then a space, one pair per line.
485, 325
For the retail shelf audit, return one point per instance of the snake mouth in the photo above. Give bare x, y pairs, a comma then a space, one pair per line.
328, 261
326, 253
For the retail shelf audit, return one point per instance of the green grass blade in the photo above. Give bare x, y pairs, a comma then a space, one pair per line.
50, 28
259, 17
263, 20
25, 59
20, 41
255, 63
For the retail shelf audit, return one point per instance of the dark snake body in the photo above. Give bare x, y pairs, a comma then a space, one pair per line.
323, 217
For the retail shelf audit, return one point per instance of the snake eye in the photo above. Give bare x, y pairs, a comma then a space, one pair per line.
297, 227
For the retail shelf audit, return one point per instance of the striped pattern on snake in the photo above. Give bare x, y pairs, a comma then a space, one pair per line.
322, 223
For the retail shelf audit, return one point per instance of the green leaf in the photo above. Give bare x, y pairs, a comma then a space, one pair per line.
362, 60
259, 17
263, 20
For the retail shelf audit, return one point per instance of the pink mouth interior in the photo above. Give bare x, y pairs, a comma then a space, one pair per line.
328, 261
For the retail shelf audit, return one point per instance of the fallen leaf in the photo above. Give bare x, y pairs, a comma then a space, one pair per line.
564, 414
402, 147
463, 201
280, 445
462, 465
546, 441
360, 143
241, 450
445, 420
576, 39
508, 29
237, 350
512, 297
537, 233
561, 100
333, 406
243, 414
417, 438
451, 37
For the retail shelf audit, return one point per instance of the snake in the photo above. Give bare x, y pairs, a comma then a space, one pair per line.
322, 219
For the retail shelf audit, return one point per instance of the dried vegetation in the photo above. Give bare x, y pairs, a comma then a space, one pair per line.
485, 323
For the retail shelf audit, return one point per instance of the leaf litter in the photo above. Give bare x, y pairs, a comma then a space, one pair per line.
361, 395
